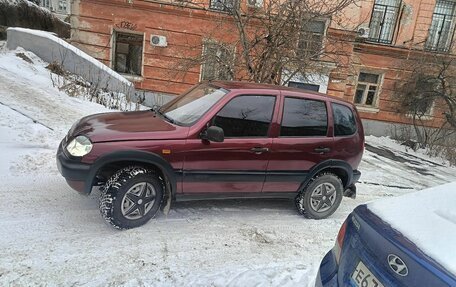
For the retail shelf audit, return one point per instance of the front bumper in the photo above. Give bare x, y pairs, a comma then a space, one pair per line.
75, 172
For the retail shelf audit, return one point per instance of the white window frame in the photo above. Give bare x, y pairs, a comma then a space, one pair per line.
425, 117
373, 107
428, 115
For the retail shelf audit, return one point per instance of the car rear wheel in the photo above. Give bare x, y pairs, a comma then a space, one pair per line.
131, 197
321, 197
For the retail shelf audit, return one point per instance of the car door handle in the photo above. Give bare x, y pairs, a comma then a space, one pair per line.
259, 150
322, 150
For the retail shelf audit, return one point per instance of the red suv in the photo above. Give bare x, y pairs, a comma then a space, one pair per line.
218, 140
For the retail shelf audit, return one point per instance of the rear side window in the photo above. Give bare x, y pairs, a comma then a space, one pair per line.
246, 116
344, 120
304, 118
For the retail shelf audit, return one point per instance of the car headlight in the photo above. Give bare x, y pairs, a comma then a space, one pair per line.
79, 146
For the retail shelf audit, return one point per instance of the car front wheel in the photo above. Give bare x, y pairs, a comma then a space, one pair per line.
131, 197
321, 197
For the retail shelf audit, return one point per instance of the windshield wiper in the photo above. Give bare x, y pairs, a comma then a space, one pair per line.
157, 111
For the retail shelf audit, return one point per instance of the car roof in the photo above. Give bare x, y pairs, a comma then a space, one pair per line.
237, 85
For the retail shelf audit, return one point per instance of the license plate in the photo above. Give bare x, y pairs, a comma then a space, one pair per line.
364, 277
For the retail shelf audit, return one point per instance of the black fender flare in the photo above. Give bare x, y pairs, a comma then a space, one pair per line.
328, 165
136, 156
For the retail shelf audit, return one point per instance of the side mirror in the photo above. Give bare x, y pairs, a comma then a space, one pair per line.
213, 134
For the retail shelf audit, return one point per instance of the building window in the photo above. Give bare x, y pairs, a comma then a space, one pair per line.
311, 39
128, 53
442, 26
222, 5
62, 6
217, 62
424, 108
367, 89
304, 86
46, 4
383, 21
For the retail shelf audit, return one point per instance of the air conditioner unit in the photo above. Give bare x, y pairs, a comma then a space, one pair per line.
255, 3
363, 32
158, 41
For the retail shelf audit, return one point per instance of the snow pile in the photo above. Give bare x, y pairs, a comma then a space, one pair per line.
427, 218
39, 100
35, 114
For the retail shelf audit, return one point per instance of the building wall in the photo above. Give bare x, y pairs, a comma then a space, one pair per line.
389, 60
186, 28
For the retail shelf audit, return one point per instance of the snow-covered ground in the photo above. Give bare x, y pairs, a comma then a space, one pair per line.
50, 235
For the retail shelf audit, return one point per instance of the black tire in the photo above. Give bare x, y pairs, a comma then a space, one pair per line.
131, 197
312, 202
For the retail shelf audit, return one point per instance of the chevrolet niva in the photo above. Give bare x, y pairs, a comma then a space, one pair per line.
219, 140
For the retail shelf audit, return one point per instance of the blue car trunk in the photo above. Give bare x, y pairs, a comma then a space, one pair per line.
387, 258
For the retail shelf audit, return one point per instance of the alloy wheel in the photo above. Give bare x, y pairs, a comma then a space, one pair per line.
138, 200
323, 197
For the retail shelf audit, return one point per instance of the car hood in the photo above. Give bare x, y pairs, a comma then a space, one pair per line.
118, 126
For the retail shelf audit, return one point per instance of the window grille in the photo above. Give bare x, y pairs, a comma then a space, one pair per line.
383, 21
222, 5
442, 26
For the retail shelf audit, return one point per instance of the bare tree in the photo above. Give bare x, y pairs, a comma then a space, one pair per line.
270, 43
428, 96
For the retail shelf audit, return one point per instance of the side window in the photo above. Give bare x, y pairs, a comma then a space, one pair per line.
246, 116
344, 120
304, 118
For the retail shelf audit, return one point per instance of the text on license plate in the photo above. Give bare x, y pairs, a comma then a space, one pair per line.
363, 277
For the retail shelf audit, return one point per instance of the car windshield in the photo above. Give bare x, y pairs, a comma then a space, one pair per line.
190, 107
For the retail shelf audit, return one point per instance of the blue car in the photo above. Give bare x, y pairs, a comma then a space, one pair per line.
403, 241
